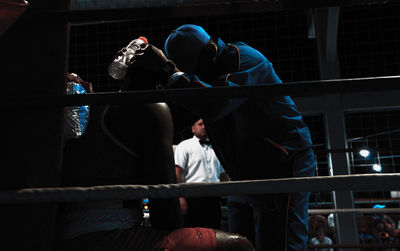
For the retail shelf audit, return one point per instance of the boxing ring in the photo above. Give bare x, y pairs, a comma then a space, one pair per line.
49, 193
360, 182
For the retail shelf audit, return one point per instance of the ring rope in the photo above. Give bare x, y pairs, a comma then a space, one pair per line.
336, 246
359, 182
354, 210
294, 89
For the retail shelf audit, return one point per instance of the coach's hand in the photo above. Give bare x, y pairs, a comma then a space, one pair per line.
149, 58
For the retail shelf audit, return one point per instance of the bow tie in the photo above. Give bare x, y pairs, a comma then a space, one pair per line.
204, 142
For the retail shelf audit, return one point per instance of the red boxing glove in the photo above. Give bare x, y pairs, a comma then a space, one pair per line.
194, 239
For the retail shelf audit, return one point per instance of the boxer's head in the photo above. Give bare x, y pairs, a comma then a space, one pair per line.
193, 51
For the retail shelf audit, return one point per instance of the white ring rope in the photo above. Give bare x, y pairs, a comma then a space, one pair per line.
355, 211
359, 182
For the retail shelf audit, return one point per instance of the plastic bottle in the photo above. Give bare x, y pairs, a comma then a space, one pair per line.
118, 68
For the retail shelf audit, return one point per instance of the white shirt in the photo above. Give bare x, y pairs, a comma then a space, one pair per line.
327, 240
198, 162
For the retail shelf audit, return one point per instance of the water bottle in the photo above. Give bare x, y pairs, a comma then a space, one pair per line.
118, 68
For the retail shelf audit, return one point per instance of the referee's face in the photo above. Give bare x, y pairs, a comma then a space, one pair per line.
199, 130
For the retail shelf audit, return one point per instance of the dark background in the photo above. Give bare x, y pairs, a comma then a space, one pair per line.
368, 46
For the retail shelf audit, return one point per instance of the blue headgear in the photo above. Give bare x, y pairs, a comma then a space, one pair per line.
184, 44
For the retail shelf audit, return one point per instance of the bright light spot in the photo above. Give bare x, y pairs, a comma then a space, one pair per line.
364, 152
377, 168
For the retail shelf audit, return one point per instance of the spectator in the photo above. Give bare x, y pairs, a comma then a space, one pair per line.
366, 229
321, 239
196, 161
315, 222
253, 139
385, 226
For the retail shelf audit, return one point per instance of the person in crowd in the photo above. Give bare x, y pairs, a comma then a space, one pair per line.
129, 144
367, 232
195, 161
314, 222
385, 226
253, 139
321, 239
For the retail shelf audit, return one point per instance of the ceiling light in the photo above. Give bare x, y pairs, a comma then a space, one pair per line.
377, 168
364, 153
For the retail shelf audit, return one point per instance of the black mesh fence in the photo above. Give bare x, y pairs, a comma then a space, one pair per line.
368, 45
